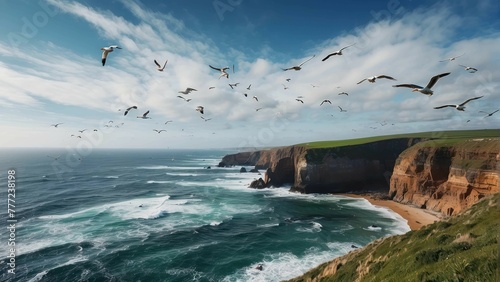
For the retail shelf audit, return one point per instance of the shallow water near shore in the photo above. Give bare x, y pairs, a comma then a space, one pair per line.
161, 215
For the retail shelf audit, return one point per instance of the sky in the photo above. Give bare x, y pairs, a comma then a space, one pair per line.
51, 71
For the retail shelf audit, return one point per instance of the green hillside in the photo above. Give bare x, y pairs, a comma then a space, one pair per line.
462, 248
457, 134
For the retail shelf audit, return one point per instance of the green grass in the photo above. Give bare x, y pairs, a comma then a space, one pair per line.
462, 248
446, 137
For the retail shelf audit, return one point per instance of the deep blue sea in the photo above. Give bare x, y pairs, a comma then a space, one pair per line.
161, 215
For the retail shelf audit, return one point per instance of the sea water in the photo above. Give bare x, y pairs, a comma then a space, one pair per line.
170, 215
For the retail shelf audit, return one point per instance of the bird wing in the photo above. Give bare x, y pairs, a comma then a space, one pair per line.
435, 78
385, 76
158, 65
475, 98
145, 114
190, 89
329, 55
408, 85
361, 81
219, 69
440, 107
307, 60
346, 47
164, 65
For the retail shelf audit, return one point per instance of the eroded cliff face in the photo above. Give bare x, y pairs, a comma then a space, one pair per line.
327, 170
446, 177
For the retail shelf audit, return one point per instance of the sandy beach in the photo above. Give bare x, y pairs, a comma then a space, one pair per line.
416, 217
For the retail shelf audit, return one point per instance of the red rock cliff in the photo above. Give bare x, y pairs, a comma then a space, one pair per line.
446, 176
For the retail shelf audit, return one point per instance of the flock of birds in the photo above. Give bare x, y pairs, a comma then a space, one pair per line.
223, 73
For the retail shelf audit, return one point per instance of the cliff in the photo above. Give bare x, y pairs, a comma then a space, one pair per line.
463, 247
446, 175
350, 168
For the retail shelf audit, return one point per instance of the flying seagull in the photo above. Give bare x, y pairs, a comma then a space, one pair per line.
339, 52
248, 88
343, 93
160, 68
159, 131
373, 78
144, 116
128, 109
200, 109
460, 107
81, 131
223, 71
255, 97
424, 90
205, 119
168, 121
106, 51
211, 87
299, 100
56, 125
245, 94
76, 136
314, 86
258, 109
284, 86
452, 58
489, 114
187, 100
233, 85
188, 90
288, 79
299, 67
325, 101
342, 110
470, 69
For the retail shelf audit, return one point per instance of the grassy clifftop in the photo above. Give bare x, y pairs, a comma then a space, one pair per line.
443, 135
462, 248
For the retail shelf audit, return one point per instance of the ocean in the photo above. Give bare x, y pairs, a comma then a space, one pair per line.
163, 215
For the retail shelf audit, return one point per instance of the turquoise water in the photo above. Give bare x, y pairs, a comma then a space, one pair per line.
144, 215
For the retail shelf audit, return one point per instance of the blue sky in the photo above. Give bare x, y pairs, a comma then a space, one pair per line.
51, 72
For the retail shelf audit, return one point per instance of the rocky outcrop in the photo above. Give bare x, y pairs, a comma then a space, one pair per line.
446, 176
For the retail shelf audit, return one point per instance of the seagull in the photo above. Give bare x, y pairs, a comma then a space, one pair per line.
187, 100
373, 78
106, 51
160, 68
299, 100
211, 87
342, 110
470, 69
233, 85
299, 67
76, 136
144, 116
460, 107
258, 109
205, 119
288, 79
343, 93
325, 101
168, 121
159, 131
284, 86
200, 109
245, 94
255, 97
188, 90
56, 125
489, 114
222, 70
128, 109
452, 58
248, 88
424, 90
339, 52
81, 131
314, 86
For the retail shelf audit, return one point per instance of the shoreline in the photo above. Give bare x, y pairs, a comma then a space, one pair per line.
415, 217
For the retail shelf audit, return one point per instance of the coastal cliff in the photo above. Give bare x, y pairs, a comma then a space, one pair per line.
445, 176
360, 167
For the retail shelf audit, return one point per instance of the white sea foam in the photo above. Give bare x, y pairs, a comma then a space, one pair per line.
312, 227
282, 266
159, 181
183, 174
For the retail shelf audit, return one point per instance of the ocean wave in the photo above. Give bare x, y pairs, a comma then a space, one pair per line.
313, 227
